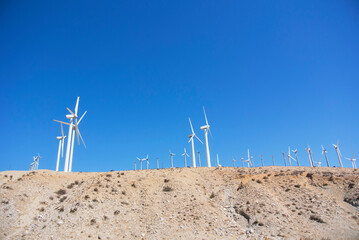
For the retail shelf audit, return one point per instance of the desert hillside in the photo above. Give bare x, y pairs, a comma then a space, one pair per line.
200, 203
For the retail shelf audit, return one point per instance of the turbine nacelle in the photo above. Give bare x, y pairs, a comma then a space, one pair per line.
205, 127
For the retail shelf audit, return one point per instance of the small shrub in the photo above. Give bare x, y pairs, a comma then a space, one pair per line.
244, 214
63, 198
316, 218
76, 182
70, 186
108, 175
41, 209
310, 176
133, 185
5, 201
212, 195
105, 217
87, 197
297, 185
51, 198
61, 192
259, 181
72, 210
95, 189
351, 185
167, 189
116, 212
166, 180
123, 192
122, 173
61, 209
43, 203
287, 190
93, 221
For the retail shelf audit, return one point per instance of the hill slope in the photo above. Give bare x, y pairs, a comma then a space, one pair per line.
201, 203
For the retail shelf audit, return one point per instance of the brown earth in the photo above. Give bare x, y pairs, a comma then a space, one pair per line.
200, 203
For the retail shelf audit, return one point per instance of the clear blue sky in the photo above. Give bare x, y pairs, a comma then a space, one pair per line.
270, 74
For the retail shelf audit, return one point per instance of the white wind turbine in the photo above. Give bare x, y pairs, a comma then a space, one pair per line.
61, 148
171, 156
233, 160
218, 165
262, 160
273, 160
199, 159
71, 136
324, 151
205, 128
185, 157
352, 159
135, 164
285, 163
242, 159
338, 153
249, 160
290, 157
296, 156
191, 139
309, 151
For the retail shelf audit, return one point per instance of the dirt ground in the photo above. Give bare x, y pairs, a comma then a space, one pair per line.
181, 203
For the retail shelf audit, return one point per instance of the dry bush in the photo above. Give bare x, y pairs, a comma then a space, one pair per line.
63, 199
61, 192
316, 218
167, 189
116, 212
212, 195
166, 180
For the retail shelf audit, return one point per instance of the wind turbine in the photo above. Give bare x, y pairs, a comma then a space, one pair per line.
71, 136
218, 165
233, 160
139, 159
285, 163
199, 159
147, 162
290, 157
191, 139
135, 164
273, 160
324, 151
319, 163
171, 156
185, 157
250, 159
352, 159
309, 151
262, 160
205, 128
242, 159
61, 147
296, 156
338, 153
157, 164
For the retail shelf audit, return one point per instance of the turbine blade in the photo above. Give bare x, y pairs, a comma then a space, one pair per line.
77, 105
77, 131
62, 147
191, 125
198, 139
190, 139
82, 117
70, 111
205, 115
79, 134
62, 131
62, 122
353, 155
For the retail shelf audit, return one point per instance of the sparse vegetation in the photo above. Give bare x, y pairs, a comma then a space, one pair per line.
93, 221
61, 192
63, 198
116, 212
212, 195
167, 189
316, 218
87, 197
95, 190
297, 185
259, 181
310, 176
133, 185
166, 180
72, 210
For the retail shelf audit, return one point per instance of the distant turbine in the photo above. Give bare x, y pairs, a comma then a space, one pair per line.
141, 160
199, 159
61, 148
135, 164
290, 157
338, 153
242, 159
324, 151
233, 160
185, 157
147, 161
309, 151
262, 160
273, 160
205, 128
296, 156
157, 164
218, 165
352, 159
285, 163
191, 139
171, 156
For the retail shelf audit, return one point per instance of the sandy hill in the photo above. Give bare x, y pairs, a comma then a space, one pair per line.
200, 203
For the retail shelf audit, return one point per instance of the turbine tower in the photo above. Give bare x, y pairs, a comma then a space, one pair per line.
185, 157
233, 160
141, 160
290, 157
147, 162
157, 164
262, 160
285, 163
171, 156
205, 128
352, 159
338, 153
324, 151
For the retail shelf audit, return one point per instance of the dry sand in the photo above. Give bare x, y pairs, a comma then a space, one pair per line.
200, 203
